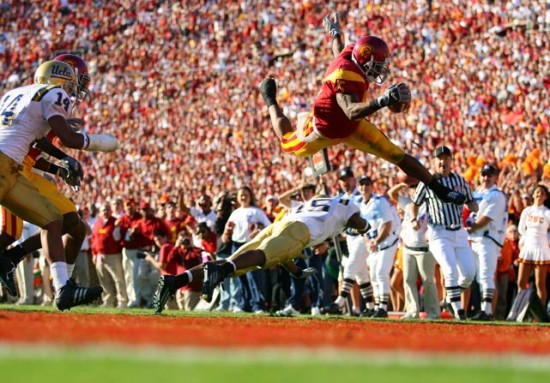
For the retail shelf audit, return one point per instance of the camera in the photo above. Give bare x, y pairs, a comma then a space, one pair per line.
140, 254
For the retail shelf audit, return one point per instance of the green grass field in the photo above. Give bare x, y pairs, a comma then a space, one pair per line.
186, 365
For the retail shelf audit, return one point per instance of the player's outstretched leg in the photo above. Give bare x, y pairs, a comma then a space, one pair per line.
214, 274
165, 290
72, 295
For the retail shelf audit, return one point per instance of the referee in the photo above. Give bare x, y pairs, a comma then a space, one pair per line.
448, 239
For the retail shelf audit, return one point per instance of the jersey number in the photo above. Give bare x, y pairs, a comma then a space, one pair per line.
65, 102
7, 109
317, 204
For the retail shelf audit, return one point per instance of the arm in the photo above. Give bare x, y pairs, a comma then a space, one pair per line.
394, 192
332, 27
284, 198
414, 216
383, 233
472, 205
89, 142
47, 147
358, 223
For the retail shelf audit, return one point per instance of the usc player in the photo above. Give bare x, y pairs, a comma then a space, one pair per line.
339, 112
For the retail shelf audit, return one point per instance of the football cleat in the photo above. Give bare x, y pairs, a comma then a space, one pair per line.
213, 276
332, 309
461, 315
165, 291
482, 316
7, 275
72, 295
367, 313
380, 313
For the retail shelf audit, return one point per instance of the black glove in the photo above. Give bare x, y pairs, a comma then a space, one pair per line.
395, 94
71, 172
332, 26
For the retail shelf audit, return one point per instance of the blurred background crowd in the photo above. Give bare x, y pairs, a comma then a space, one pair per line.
176, 82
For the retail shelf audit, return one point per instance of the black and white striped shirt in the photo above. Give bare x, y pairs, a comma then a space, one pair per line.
439, 212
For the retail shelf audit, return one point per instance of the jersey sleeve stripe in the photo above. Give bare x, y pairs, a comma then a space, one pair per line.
42, 92
340, 74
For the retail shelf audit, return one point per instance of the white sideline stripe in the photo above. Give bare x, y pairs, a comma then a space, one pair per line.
277, 355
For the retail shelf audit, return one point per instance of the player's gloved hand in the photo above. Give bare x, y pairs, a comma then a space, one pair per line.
395, 94
332, 26
305, 273
352, 232
71, 172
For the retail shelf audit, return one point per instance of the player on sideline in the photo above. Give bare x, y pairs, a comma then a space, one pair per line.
29, 113
306, 225
339, 112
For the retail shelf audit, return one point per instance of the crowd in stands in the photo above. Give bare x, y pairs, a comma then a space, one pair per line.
176, 82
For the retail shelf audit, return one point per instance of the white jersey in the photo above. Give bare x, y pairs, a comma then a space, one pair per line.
324, 217
411, 237
244, 218
492, 204
533, 227
24, 114
377, 211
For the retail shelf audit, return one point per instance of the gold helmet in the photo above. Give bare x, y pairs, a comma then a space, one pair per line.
57, 73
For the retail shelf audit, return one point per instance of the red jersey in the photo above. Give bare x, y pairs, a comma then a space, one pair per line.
342, 76
103, 241
126, 222
167, 256
187, 259
146, 228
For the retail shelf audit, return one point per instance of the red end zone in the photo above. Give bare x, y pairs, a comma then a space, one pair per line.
67, 329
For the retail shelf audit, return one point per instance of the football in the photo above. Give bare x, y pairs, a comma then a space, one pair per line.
400, 107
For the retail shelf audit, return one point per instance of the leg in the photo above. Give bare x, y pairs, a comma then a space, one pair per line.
104, 274
426, 266
540, 282
524, 274
410, 276
281, 124
76, 232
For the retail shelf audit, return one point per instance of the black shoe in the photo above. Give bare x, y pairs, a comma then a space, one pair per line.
482, 316
461, 315
268, 87
72, 295
213, 276
332, 309
165, 291
7, 275
380, 313
367, 313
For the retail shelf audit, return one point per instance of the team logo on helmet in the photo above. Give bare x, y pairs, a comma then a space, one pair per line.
62, 71
365, 51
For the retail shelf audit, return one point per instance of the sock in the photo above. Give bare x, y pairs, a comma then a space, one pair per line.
487, 301
16, 254
183, 279
229, 267
453, 297
59, 274
347, 285
70, 269
340, 300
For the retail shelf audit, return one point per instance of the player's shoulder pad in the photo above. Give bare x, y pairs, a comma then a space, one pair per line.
42, 92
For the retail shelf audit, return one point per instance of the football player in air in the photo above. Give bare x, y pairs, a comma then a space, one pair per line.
306, 225
339, 112
30, 113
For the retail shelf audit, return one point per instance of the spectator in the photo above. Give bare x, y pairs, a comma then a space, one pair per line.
107, 252
535, 250
417, 259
